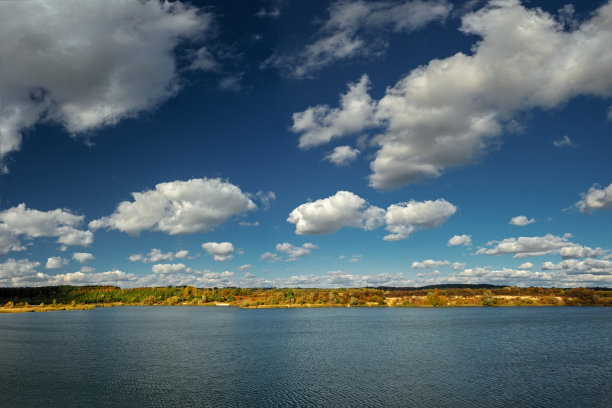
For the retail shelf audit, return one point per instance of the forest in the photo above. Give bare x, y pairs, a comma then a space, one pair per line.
48, 298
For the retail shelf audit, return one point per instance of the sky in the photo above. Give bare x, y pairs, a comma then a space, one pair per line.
305, 144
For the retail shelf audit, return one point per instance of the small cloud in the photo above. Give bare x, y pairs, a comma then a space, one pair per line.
56, 262
526, 265
231, 82
460, 240
221, 251
269, 257
268, 13
342, 155
521, 221
265, 198
182, 254
564, 141
249, 224
244, 268
83, 257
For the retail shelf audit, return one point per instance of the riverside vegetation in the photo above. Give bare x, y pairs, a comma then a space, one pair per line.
36, 299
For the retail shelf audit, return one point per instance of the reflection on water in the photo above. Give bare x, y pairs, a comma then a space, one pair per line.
200, 357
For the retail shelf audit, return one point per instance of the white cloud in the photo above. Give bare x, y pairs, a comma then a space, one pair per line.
526, 265
136, 258
429, 263
178, 207
521, 221
221, 251
586, 266
182, 254
564, 141
354, 29
446, 113
578, 251
269, 257
88, 64
293, 252
244, 268
458, 265
83, 257
596, 199
404, 218
460, 240
168, 268
56, 262
321, 124
342, 155
17, 222
522, 247
343, 209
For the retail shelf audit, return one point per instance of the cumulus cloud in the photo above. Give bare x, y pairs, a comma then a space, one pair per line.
23, 272
523, 247
21, 222
597, 198
56, 262
168, 268
460, 240
269, 257
342, 155
83, 257
221, 251
458, 265
321, 124
346, 209
429, 263
84, 65
564, 141
355, 29
178, 207
343, 209
586, 266
293, 252
526, 265
154, 255
182, 254
446, 113
521, 221
578, 251
404, 218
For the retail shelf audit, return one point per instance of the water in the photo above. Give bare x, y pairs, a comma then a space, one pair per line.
201, 357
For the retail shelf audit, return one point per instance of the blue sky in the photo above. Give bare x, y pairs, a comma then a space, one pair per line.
317, 144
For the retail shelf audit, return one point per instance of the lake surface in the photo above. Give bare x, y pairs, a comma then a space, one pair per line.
398, 357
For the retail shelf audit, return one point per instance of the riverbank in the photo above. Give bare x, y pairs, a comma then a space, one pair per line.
435, 298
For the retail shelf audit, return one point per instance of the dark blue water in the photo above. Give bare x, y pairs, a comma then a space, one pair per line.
200, 357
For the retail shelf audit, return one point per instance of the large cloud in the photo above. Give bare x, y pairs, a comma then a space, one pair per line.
342, 37
404, 218
343, 209
596, 198
86, 64
21, 222
178, 207
444, 114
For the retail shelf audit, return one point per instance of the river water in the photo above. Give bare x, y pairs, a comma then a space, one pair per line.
336, 357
